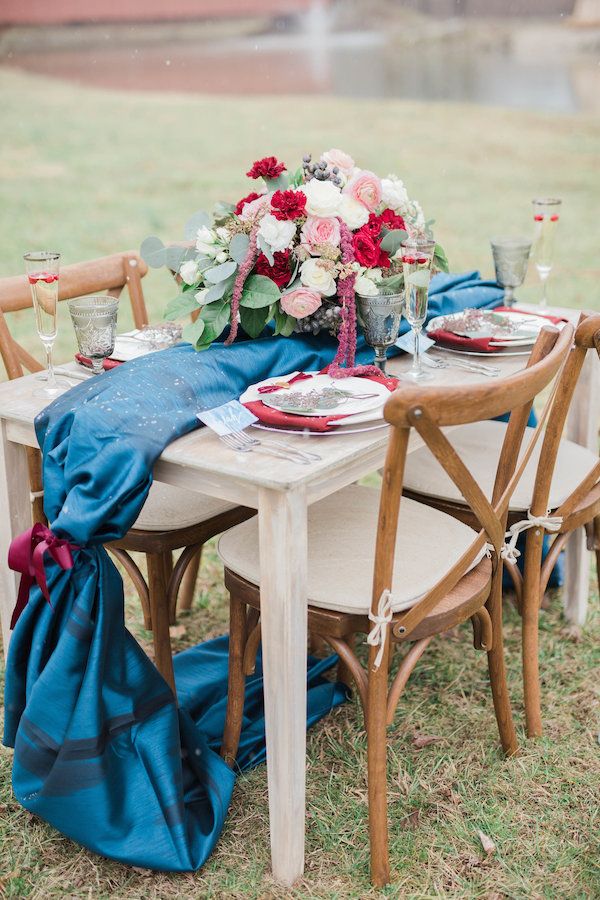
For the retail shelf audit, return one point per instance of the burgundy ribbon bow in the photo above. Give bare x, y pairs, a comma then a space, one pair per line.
278, 385
26, 555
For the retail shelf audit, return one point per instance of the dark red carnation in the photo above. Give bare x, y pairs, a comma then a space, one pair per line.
268, 167
366, 249
288, 204
240, 204
279, 272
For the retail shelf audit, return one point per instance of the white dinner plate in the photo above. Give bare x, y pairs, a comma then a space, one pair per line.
354, 411
337, 430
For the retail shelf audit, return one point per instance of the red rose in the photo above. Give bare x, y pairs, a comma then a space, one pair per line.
288, 204
392, 221
279, 272
366, 250
384, 260
241, 203
268, 167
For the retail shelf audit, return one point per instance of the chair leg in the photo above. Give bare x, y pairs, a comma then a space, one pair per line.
530, 613
343, 672
497, 671
236, 680
187, 590
159, 611
377, 768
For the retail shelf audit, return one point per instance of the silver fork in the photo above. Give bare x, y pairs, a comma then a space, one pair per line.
241, 442
481, 368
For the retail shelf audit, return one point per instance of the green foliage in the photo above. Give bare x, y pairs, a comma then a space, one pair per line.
221, 272
297, 177
222, 211
193, 331
284, 323
176, 255
216, 318
440, 260
392, 240
259, 291
265, 249
253, 320
153, 252
392, 285
182, 305
220, 289
238, 247
277, 184
198, 220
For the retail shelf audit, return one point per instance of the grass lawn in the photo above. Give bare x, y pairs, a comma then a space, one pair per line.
90, 172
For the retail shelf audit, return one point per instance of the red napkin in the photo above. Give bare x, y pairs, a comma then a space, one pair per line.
555, 320
272, 388
107, 364
281, 419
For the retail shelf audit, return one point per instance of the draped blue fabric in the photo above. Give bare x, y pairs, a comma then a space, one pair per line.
101, 750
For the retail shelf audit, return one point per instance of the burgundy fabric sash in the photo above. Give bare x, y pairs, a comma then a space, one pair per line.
26, 555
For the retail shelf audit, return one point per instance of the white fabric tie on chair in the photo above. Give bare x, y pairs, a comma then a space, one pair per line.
550, 523
381, 620
33, 495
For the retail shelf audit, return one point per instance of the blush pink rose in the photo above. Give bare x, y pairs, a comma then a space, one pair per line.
301, 303
254, 206
317, 230
366, 188
342, 160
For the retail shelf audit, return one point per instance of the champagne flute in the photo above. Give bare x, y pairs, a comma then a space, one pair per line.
417, 257
546, 213
42, 272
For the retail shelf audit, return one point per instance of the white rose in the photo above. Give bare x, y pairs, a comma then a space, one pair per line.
353, 213
189, 272
316, 277
201, 296
393, 193
322, 198
277, 234
205, 241
221, 257
223, 234
365, 287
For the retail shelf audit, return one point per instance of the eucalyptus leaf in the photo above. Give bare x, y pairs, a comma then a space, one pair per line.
392, 285
195, 222
238, 247
216, 316
223, 210
292, 287
153, 251
193, 332
392, 241
277, 184
220, 289
220, 273
253, 320
182, 305
265, 249
440, 260
259, 291
176, 255
296, 179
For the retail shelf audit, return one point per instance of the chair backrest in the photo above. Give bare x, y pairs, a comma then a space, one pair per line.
108, 273
428, 410
587, 340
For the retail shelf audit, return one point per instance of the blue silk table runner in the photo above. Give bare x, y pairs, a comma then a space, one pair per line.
101, 750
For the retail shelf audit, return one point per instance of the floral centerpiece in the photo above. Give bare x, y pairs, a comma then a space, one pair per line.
293, 252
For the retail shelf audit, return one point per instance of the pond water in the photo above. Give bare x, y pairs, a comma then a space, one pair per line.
313, 59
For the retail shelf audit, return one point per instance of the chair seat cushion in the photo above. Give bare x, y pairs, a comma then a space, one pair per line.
342, 530
168, 508
478, 445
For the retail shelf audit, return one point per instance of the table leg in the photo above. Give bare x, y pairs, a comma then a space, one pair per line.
582, 427
282, 518
15, 509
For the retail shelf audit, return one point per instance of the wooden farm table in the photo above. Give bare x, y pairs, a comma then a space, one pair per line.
281, 491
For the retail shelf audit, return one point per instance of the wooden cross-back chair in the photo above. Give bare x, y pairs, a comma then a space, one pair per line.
558, 494
171, 519
431, 572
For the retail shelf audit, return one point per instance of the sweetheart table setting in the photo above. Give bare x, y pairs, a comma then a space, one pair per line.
301, 310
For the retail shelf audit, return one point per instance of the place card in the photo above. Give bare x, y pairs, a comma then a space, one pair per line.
226, 419
407, 342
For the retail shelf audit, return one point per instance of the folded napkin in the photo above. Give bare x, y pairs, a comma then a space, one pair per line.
487, 344
107, 364
280, 419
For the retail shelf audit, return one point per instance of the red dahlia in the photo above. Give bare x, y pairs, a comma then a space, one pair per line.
279, 272
268, 167
288, 204
241, 203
